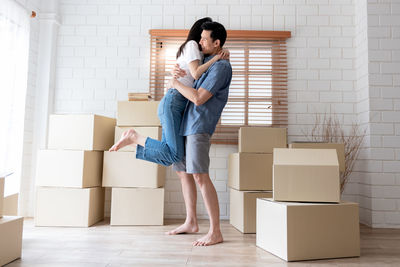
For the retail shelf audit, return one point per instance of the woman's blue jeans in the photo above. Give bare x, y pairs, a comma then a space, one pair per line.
171, 148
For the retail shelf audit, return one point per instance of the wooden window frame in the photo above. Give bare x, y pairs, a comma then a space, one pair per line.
228, 134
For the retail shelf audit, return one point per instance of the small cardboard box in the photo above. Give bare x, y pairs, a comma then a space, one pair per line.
81, 132
152, 132
250, 171
308, 231
76, 207
10, 205
339, 150
1, 195
122, 169
138, 113
261, 139
243, 209
137, 206
309, 175
69, 168
10, 238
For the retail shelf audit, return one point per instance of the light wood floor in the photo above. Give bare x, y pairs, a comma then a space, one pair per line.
103, 245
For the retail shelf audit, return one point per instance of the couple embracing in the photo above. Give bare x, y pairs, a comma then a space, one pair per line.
189, 113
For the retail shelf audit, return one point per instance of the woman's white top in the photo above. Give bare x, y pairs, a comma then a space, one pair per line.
191, 52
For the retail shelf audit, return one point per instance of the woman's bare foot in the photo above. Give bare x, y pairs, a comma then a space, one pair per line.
186, 228
209, 239
129, 137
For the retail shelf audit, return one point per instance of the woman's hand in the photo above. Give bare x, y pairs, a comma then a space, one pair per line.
177, 72
224, 54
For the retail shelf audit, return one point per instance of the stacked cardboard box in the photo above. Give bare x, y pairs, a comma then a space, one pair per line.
10, 232
10, 205
134, 181
307, 175
305, 219
69, 172
2, 182
250, 173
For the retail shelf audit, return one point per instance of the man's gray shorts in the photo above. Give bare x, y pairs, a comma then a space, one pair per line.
197, 157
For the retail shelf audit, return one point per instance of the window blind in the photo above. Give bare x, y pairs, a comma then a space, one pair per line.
258, 91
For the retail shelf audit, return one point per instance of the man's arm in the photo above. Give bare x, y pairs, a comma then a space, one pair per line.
198, 97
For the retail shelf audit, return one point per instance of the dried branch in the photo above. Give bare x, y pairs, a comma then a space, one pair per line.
329, 130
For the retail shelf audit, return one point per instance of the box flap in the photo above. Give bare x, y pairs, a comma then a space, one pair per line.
288, 203
307, 157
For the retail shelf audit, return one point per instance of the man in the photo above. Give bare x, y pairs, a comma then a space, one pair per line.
206, 102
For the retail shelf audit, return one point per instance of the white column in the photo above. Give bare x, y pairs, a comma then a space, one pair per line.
49, 22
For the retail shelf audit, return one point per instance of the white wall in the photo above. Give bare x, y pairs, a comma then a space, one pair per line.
103, 53
25, 200
362, 92
381, 183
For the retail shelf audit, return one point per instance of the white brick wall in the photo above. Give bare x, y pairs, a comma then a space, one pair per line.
104, 48
361, 67
103, 53
384, 48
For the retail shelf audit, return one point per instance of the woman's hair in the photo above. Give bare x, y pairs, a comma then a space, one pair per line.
194, 34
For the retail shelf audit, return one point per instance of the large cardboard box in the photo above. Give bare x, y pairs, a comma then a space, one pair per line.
137, 206
137, 113
1, 195
81, 132
243, 209
152, 132
261, 139
122, 169
69, 168
10, 239
310, 175
308, 231
339, 150
10, 205
57, 206
250, 171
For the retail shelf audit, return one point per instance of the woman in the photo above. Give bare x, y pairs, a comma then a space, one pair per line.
171, 108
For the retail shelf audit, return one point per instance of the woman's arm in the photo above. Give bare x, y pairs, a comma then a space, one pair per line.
197, 70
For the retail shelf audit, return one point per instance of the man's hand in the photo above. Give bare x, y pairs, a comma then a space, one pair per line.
177, 72
171, 83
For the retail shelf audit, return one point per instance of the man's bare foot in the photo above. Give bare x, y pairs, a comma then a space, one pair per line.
186, 228
209, 239
128, 138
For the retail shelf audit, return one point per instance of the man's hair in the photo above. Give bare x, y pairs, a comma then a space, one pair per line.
218, 31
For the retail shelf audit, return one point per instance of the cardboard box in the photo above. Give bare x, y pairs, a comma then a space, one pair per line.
243, 209
10, 205
81, 132
10, 239
139, 97
137, 206
339, 150
261, 139
138, 113
308, 231
1, 195
250, 171
56, 206
309, 175
122, 169
152, 132
69, 168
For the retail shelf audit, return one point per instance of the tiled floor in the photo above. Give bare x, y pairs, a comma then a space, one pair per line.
103, 245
